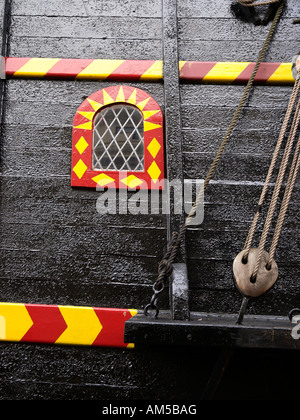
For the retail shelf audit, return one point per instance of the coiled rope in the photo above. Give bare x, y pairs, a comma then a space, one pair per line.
165, 267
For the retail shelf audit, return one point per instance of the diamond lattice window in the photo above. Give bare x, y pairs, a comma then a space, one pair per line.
118, 139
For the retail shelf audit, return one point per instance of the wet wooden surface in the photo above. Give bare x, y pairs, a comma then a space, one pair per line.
56, 248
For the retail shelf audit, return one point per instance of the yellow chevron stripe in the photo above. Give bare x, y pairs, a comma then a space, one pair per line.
95, 105
148, 114
99, 69
36, 67
120, 97
181, 64
83, 325
150, 126
225, 71
87, 115
15, 321
155, 72
86, 126
283, 74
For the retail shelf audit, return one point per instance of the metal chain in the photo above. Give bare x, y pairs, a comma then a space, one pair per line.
282, 133
165, 266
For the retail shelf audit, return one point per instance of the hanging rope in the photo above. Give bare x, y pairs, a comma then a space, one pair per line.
165, 266
290, 184
272, 166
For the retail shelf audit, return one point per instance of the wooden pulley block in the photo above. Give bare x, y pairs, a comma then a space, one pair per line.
243, 270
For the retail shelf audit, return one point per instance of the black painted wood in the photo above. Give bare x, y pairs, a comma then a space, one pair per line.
4, 29
56, 249
210, 329
173, 137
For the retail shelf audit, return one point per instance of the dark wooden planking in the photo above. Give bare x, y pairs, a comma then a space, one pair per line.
128, 8
86, 27
226, 96
52, 8
252, 141
101, 374
86, 48
232, 167
208, 32
77, 293
194, 116
77, 239
85, 31
43, 372
92, 268
69, 92
108, 8
230, 300
198, 116
214, 29
223, 50
214, 329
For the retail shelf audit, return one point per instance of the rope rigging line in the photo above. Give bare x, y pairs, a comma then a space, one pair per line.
278, 185
255, 270
272, 166
165, 267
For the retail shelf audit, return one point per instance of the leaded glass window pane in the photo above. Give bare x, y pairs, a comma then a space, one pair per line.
118, 139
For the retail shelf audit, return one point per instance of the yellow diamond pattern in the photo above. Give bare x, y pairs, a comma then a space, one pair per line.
80, 168
132, 181
154, 147
103, 179
154, 171
81, 145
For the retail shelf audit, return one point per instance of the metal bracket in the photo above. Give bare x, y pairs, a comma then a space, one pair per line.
2, 68
179, 293
296, 66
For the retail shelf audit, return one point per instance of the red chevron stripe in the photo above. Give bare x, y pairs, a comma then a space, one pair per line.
196, 70
113, 323
265, 71
131, 70
68, 68
48, 324
13, 64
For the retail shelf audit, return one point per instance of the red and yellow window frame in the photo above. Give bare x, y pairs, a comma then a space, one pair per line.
83, 124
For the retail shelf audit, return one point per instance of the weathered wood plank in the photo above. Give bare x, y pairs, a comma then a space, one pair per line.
223, 50
107, 8
86, 48
214, 29
86, 27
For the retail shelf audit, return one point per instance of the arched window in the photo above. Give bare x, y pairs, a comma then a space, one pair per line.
118, 140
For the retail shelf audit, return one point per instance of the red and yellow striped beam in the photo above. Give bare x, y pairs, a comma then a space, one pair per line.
68, 325
146, 70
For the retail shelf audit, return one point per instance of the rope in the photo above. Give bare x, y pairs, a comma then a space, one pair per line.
271, 167
165, 266
285, 201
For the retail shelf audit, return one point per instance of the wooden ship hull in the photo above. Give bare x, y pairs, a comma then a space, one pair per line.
75, 282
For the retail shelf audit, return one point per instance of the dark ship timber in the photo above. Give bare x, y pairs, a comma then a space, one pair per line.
138, 94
